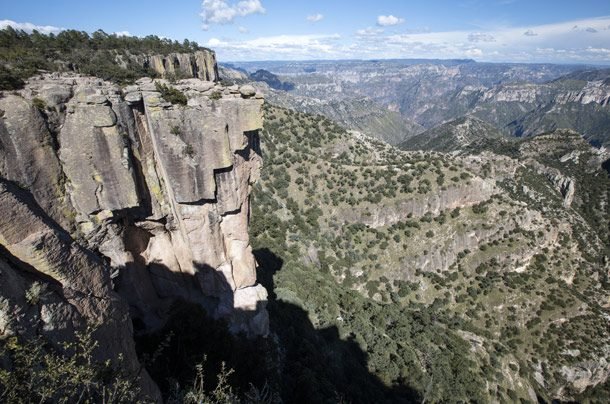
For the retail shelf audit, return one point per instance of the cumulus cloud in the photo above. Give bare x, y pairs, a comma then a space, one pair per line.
369, 31
481, 37
315, 17
243, 30
122, 33
389, 20
29, 27
556, 42
221, 12
475, 52
284, 47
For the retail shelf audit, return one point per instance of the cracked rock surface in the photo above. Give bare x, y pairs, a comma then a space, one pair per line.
120, 202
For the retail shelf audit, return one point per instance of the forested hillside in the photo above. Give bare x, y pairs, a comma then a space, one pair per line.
449, 278
103, 55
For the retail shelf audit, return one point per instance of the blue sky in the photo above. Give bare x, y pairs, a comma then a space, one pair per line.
493, 30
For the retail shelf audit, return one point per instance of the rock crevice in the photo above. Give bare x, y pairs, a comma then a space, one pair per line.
144, 201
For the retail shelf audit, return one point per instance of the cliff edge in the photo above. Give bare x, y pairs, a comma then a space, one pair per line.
119, 202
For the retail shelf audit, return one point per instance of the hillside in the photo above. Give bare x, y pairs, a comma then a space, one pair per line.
467, 133
360, 114
462, 277
121, 59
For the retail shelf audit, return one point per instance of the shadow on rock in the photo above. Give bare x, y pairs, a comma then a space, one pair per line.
317, 365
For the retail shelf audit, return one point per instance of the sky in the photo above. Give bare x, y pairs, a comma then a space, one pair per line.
559, 31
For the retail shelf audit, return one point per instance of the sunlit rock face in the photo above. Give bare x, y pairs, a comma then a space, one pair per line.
119, 202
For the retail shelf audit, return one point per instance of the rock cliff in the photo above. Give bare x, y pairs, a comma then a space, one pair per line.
118, 202
200, 64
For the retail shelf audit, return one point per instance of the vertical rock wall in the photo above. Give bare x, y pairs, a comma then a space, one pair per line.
200, 64
120, 202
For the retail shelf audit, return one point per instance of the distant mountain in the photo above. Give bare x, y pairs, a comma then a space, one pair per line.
358, 114
517, 99
361, 114
272, 80
466, 133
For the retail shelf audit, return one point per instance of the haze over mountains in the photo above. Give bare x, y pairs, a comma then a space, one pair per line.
410, 96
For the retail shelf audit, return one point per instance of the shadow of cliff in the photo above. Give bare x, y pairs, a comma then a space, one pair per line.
195, 333
300, 363
318, 365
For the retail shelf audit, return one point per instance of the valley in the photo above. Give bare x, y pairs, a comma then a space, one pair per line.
354, 231
517, 99
485, 244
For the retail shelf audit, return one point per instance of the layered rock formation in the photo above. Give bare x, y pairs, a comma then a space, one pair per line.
110, 190
200, 64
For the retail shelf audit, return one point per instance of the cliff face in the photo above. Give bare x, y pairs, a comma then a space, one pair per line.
118, 202
200, 64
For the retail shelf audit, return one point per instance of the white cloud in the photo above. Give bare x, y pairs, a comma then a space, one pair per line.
388, 20
243, 30
122, 33
556, 42
29, 27
603, 51
481, 37
221, 12
284, 47
315, 17
369, 31
474, 53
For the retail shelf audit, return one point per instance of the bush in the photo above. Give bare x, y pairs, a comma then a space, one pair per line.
171, 94
38, 373
39, 103
9, 80
175, 130
216, 95
188, 151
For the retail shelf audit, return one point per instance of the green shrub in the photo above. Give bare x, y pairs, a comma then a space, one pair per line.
39, 373
39, 103
175, 130
216, 95
171, 94
188, 151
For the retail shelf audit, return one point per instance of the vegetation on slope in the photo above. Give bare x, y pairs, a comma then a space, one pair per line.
100, 54
485, 321
381, 289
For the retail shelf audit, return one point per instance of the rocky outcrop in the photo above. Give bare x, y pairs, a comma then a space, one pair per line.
593, 92
116, 186
564, 185
476, 191
200, 64
76, 289
585, 374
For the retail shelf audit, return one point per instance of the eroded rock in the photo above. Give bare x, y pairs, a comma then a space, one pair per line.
160, 191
